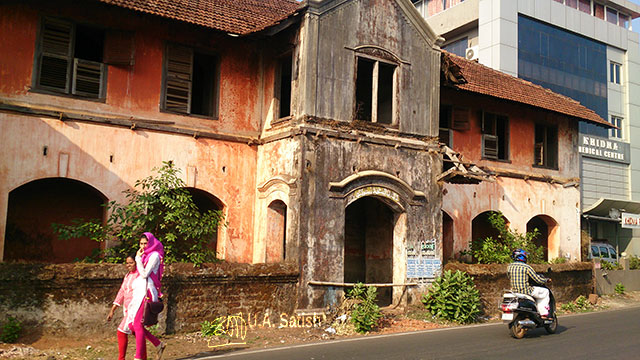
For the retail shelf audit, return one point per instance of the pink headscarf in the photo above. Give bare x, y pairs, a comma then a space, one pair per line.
154, 245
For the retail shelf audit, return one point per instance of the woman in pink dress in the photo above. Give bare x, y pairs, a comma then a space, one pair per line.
124, 299
146, 287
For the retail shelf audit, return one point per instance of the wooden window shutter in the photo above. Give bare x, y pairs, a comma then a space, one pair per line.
490, 146
87, 78
179, 77
119, 48
539, 153
55, 56
460, 119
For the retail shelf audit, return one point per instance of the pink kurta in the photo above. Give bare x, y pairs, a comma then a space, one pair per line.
125, 294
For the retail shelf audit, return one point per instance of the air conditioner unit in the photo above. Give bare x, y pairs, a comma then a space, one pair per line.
471, 53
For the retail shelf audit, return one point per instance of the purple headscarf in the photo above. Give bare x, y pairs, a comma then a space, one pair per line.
154, 245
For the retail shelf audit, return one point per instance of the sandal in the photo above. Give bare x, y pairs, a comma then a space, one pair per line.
160, 350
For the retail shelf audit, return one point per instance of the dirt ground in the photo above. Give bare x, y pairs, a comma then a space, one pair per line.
183, 345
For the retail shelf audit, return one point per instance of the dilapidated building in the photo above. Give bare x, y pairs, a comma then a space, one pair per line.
522, 140
312, 126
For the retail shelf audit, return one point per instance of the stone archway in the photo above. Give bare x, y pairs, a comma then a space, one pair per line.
368, 248
547, 227
34, 206
205, 201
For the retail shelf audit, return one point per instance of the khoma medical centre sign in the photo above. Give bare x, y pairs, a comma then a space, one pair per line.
604, 149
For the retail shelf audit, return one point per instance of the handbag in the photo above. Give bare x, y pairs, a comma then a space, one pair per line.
151, 311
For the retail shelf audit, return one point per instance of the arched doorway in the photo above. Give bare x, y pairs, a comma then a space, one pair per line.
547, 228
368, 248
205, 201
34, 206
447, 237
276, 240
481, 227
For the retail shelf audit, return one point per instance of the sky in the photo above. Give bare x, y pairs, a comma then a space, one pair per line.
636, 23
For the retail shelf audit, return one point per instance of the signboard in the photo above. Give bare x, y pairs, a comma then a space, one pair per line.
422, 263
374, 191
630, 221
604, 149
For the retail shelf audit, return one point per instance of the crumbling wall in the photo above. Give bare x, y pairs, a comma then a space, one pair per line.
569, 281
67, 298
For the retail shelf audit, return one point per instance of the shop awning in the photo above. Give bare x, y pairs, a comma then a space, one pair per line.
602, 207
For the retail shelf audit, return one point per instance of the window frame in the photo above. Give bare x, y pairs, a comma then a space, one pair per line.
71, 79
375, 89
615, 72
546, 147
277, 91
215, 97
617, 134
488, 136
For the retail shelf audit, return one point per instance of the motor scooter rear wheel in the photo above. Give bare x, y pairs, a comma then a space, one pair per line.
551, 328
517, 331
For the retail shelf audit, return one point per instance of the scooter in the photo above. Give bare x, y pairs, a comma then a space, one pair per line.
519, 311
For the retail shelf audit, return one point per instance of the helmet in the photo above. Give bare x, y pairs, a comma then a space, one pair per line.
519, 255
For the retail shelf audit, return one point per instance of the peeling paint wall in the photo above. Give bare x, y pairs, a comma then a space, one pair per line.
521, 191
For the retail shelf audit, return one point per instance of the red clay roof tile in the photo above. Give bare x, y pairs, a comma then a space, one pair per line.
234, 16
484, 80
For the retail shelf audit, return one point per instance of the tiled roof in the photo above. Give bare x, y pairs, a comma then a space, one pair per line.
477, 78
234, 16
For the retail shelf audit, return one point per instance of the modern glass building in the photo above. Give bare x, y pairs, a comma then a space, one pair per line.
584, 49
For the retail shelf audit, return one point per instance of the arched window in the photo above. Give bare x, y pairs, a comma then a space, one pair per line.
276, 240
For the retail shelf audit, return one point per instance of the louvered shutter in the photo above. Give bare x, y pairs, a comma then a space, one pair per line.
178, 80
55, 56
490, 146
460, 119
119, 49
87, 78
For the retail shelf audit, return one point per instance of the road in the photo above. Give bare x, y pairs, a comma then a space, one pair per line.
601, 335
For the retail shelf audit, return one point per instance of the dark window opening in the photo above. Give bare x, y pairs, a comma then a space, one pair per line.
444, 135
495, 131
191, 82
70, 59
364, 83
285, 86
276, 241
204, 79
375, 91
385, 93
546, 146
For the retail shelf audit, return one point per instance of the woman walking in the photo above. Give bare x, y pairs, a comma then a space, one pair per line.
124, 299
149, 264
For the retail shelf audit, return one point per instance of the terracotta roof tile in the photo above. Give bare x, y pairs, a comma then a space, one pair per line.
484, 80
233, 16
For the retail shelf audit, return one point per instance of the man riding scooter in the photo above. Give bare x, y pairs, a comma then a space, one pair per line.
520, 274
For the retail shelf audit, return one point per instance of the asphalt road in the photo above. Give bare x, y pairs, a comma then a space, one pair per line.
600, 335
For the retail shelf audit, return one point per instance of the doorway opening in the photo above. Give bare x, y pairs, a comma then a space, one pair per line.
368, 250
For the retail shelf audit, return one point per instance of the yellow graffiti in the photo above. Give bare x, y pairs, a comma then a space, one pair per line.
233, 326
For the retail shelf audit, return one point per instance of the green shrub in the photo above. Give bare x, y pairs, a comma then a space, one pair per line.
212, 328
619, 289
453, 297
581, 304
11, 330
634, 263
498, 251
605, 265
161, 205
558, 260
366, 313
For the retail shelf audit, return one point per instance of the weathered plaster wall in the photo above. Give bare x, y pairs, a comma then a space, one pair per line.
135, 91
522, 120
519, 201
223, 169
68, 298
551, 192
329, 70
322, 221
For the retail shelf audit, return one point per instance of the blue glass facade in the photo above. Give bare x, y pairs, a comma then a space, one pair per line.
566, 63
457, 47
